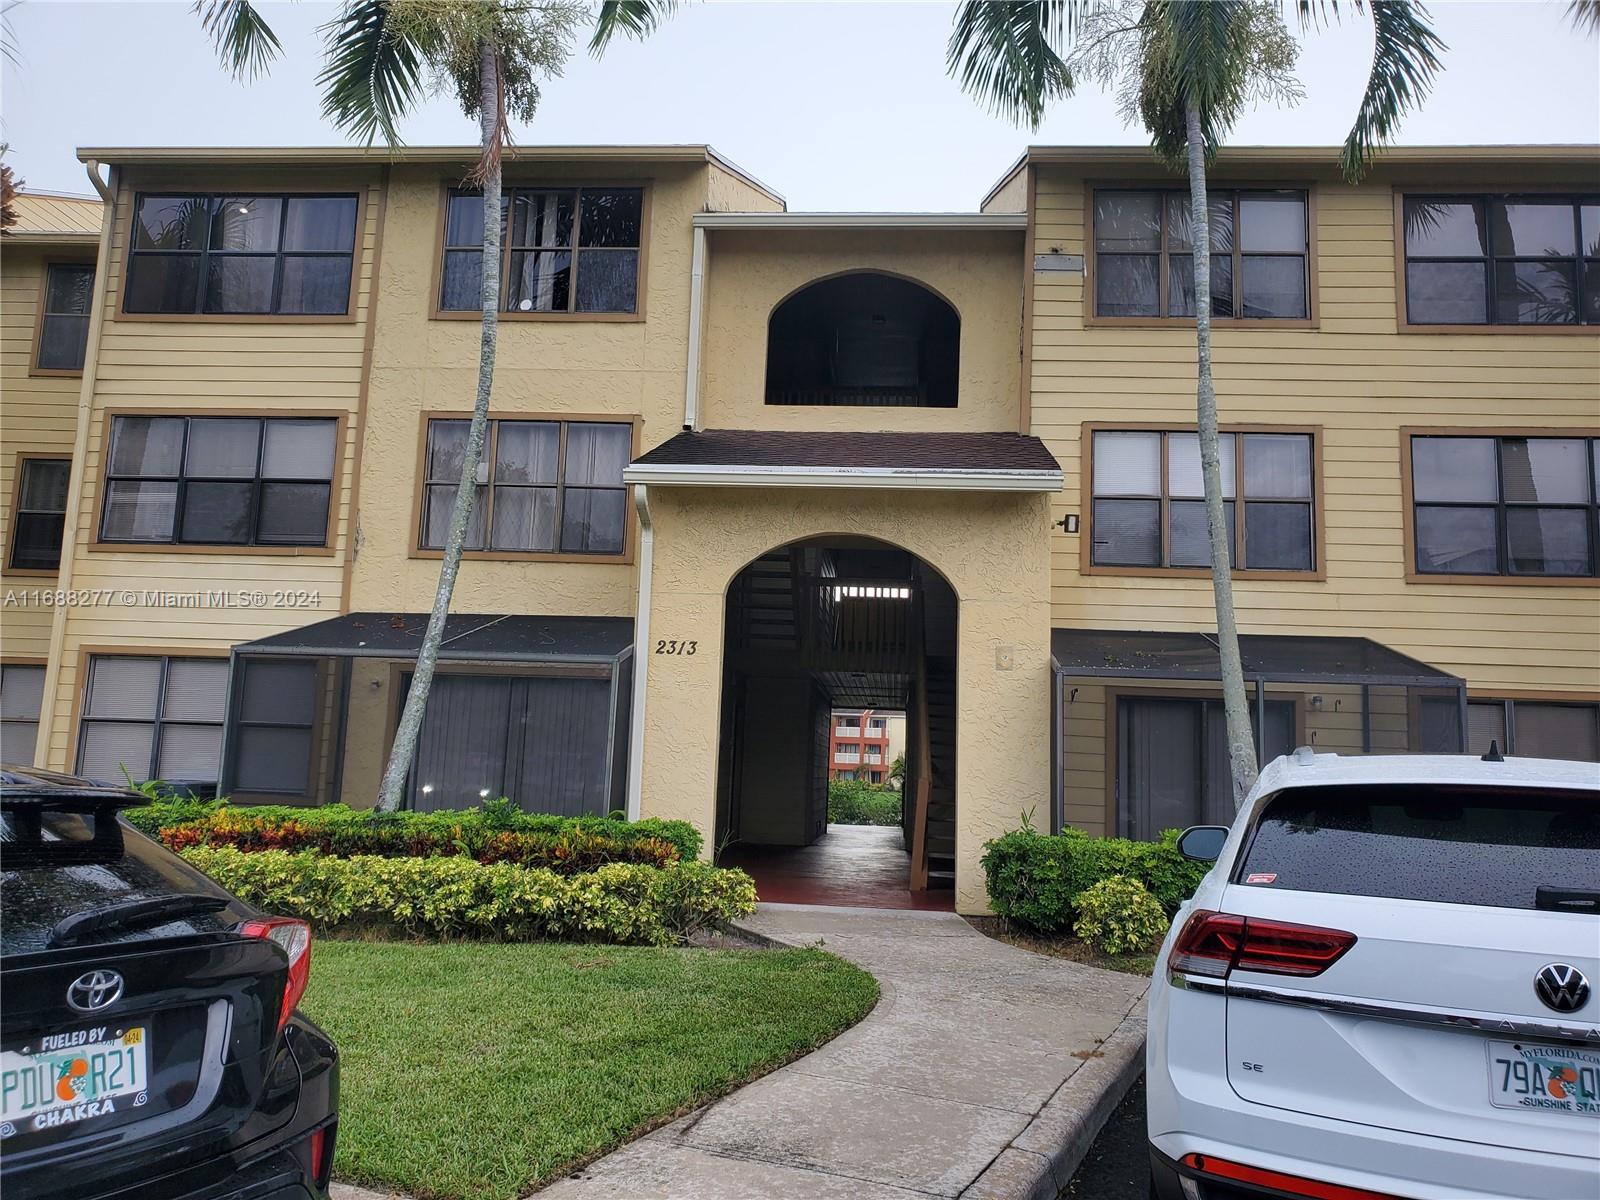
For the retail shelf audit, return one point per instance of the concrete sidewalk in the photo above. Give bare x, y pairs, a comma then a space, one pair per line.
984, 1071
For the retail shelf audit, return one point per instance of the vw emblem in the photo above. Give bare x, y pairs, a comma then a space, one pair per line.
1562, 987
94, 990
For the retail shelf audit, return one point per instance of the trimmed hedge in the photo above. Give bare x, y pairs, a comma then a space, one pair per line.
455, 897
1036, 878
855, 802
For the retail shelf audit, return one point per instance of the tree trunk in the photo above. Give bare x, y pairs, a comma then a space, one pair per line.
1241, 742
405, 737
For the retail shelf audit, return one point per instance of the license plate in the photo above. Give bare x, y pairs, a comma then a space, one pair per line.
1539, 1078
60, 1079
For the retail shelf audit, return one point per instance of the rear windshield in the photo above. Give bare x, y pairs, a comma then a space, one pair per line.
1492, 847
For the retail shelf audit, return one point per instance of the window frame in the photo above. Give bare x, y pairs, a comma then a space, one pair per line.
49, 264
641, 292
1086, 563
238, 682
327, 549
420, 490
1409, 505
1091, 317
24, 457
358, 253
165, 653
1508, 701
8, 662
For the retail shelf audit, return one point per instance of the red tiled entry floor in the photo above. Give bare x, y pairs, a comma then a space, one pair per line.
865, 866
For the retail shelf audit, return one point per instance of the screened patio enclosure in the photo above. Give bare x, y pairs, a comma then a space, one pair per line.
1141, 744
533, 708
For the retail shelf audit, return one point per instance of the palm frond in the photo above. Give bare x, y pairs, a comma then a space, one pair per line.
373, 71
1009, 54
637, 19
1585, 16
1405, 60
243, 39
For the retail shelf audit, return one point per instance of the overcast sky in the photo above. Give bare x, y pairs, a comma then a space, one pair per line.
838, 106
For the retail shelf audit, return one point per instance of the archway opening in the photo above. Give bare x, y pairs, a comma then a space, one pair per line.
814, 628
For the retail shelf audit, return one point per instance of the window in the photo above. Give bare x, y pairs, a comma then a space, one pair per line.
544, 486
219, 481
21, 698
1505, 505
41, 514
1144, 264
1149, 501
1535, 729
565, 250
64, 320
277, 704
156, 718
241, 254
1502, 260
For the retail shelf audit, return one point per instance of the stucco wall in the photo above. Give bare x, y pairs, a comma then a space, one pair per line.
993, 550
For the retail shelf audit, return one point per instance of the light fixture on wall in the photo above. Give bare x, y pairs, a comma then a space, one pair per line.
1315, 703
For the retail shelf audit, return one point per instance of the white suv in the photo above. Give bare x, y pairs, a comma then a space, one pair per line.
1385, 987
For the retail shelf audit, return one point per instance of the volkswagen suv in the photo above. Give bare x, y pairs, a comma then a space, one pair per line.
1385, 987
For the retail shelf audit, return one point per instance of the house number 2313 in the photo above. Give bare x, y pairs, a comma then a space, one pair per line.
666, 646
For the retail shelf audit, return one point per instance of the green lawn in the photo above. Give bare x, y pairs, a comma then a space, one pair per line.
479, 1070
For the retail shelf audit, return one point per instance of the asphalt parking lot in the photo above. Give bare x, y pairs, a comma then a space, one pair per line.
1117, 1166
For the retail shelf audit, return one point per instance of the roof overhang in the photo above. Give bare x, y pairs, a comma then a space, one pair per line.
468, 637
50, 237
890, 478
924, 221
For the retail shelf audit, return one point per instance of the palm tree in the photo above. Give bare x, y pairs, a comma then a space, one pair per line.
1187, 69
492, 55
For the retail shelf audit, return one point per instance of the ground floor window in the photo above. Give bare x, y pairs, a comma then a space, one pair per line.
153, 717
276, 717
21, 697
1535, 729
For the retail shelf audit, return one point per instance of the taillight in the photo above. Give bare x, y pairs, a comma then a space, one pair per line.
1281, 1184
1215, 944
319, 1150
294, 937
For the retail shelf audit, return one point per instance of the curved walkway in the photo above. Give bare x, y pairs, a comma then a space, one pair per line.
984, 1071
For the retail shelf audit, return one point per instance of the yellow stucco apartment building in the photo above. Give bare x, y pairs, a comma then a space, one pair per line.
748, 465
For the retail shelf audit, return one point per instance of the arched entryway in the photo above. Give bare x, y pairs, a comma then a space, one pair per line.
818, 625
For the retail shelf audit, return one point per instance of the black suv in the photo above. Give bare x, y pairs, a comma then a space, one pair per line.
149, 1043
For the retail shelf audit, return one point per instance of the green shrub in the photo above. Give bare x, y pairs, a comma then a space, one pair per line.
455, 897
856, 802
1119, 916
1036, 879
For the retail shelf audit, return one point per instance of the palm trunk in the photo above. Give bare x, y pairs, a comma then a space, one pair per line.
405, 737
1241, 742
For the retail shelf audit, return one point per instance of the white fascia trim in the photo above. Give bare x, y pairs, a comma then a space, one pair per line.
845, 477
800, 220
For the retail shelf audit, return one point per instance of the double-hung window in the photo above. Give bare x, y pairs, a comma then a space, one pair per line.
21, 698
219, 481
544, 487
1502, 260
64, 320
1144, 255
1505, 505
40, 515
564, 250
238, 254
153, 717
1149, 500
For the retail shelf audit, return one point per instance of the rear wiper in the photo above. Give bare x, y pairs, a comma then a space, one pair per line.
130, 913
1578, 900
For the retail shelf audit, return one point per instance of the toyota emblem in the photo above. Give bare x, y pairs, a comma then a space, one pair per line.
94, 990
1561, 986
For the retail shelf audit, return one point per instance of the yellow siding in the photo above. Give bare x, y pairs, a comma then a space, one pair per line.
56, 212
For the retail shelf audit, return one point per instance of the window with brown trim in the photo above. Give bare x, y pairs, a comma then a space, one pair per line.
41, 514
564, 250
64, 320
1535, 728
153, 717
1502, 260
21, 701
1149, 503
1144, 262
219, 481
1505, 505
544, 487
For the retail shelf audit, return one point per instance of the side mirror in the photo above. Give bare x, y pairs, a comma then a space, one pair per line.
1202, 843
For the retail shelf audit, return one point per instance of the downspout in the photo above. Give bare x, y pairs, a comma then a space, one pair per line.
697, 303
641, 642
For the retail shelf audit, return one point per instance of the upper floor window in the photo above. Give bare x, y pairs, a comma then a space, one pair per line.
564, 250
40, 514
1502, 260
1505, 505
1149, 501
545, 487
238, 254
1144, 259
219, 481
864, 339
64, 320
153, 717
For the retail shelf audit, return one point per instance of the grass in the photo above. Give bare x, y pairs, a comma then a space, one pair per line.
1064, 946
478, 1071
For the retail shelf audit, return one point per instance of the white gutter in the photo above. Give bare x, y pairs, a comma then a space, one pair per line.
641, 657
697, 304
904, 478
800, 220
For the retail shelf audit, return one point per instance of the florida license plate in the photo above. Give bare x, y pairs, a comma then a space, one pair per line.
1541, 1078
59, 1079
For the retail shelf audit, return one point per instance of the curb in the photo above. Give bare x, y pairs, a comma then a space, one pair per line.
1041, 1160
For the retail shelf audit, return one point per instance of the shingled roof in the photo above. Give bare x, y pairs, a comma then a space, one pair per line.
799, 449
